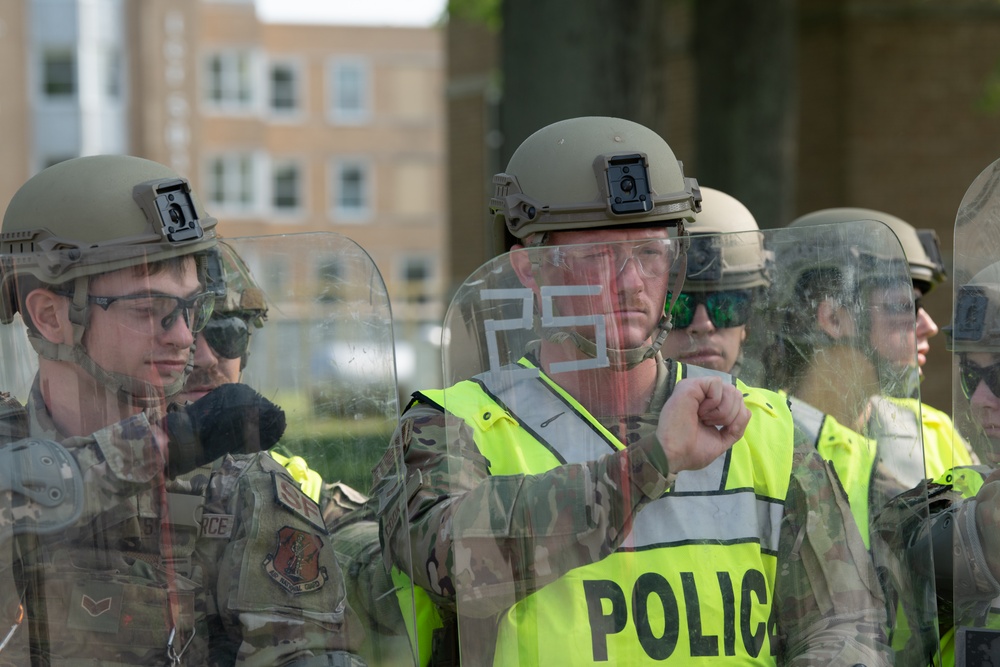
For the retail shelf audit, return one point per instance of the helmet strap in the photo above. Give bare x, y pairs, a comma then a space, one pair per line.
626, 359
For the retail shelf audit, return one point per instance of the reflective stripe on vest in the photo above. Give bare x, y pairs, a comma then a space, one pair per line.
899, 438
709, 596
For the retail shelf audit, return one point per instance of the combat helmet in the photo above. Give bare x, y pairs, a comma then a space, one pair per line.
737, 260
587, 173
89, 216
593, 172
976, 327
920, 247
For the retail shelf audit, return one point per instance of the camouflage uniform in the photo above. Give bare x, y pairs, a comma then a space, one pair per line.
827, 601
243, 573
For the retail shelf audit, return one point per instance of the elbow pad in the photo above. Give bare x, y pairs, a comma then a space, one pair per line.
42, 488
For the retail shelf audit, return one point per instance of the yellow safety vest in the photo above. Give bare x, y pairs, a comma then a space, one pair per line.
694, 579
852, 456
944, 449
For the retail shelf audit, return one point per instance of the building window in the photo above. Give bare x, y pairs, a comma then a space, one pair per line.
352, 191
350, 86
59, 73
113, 74
417, 273
284, 88
330, 279
286, 187
229, 79
230, 182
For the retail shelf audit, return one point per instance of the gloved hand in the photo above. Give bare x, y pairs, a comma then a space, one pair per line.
230, 419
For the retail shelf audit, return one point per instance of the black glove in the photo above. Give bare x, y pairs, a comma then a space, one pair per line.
230, 419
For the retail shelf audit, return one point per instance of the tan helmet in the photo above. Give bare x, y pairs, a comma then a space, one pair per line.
976, 327
88, 216
734, 261
920, 247
92, 215
590, 172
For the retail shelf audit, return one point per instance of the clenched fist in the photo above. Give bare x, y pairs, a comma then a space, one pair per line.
703, 418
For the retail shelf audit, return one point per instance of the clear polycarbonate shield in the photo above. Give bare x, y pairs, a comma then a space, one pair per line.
326, 354
571, 546
969, 525
175, 553
836, 333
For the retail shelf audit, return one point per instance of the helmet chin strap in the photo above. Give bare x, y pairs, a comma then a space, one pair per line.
127, 389
624, 359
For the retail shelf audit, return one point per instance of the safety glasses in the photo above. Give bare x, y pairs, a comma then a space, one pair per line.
228, 337
726, 308
138, 310
971, 375
605, 260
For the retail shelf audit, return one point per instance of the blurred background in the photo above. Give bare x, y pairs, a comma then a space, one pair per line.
386, 125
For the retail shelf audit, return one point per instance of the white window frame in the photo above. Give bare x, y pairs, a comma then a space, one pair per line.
351, 215
230, 89
239, 189
338, 113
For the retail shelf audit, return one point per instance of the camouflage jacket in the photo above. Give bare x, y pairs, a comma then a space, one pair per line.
229, 564
828, 605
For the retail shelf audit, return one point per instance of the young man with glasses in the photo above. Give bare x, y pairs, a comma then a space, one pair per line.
112, 265
583, 500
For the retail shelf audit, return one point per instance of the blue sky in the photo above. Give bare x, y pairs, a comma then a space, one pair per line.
360, 12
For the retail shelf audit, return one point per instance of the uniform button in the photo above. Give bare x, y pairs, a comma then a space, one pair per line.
487, 415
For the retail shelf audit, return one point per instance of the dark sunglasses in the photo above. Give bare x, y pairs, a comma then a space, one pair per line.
228, 337
971, 375
727, 308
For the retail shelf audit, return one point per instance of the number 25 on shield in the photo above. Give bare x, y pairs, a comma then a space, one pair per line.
549, 319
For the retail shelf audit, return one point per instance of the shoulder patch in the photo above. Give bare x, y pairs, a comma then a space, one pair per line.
291, 497
294, 565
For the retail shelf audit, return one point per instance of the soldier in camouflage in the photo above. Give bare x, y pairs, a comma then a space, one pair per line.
221, 355
725, 275
536, 546
182, 553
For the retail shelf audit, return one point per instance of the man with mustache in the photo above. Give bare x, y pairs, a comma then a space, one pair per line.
583, 499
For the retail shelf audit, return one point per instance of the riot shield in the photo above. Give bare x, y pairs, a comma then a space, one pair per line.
968, 524
180, 554
837, 335
572, 547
